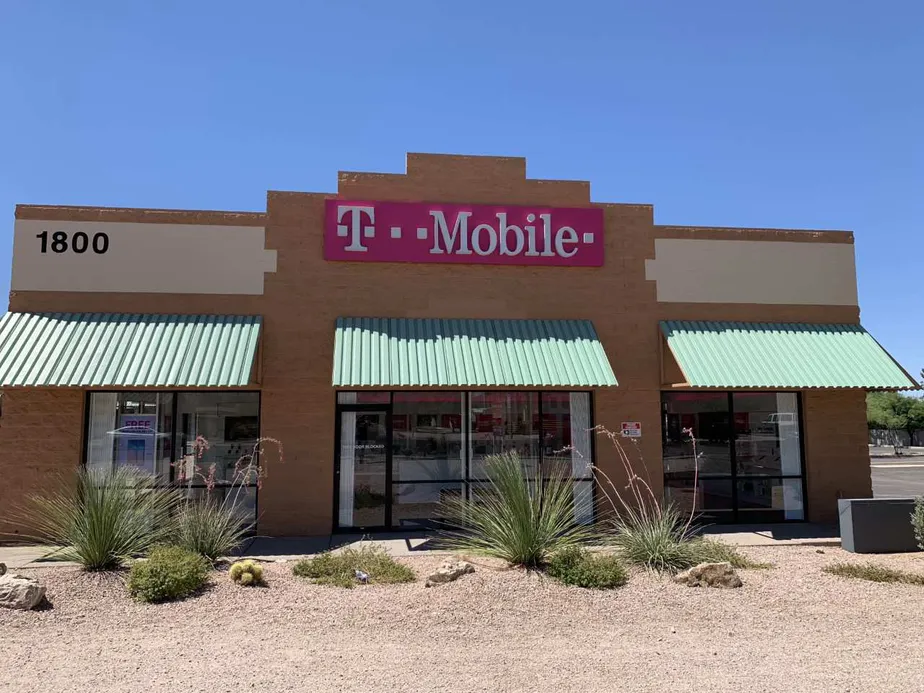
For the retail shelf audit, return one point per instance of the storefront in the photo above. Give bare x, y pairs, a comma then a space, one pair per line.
394, 334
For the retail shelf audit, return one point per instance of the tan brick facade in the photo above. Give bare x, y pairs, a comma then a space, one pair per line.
305, 295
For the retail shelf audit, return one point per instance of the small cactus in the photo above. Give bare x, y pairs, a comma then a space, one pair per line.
247, 573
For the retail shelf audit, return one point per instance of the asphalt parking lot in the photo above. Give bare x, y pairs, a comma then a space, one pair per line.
897, 476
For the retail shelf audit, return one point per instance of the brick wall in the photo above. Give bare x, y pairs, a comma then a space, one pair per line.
306, 295
41, 433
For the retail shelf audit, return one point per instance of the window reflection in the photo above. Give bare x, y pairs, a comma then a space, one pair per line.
706, 413
504, 422
767, 433
427, 436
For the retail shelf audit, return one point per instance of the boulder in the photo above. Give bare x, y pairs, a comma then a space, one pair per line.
449, 571
709, 575
20, 592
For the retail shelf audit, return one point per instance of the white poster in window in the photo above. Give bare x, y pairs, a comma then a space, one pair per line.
136, 441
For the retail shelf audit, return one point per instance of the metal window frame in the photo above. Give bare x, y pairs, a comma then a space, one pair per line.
734, 477
174, 433
466, 481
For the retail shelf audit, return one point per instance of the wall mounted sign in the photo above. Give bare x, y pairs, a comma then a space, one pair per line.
470, 234
631, 429
129, 257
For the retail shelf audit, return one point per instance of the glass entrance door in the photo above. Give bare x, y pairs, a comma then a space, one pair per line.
364, 469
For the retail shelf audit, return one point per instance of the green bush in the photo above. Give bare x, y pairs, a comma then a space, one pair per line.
210, 528
655, 537
339, 568
917, 522
581, 568
247, 573
103, 519
873, 573
169, 573
520, 520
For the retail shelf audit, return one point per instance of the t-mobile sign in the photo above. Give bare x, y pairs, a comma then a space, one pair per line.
471, 234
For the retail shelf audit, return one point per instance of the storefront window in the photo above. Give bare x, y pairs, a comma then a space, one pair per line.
131, 429
428, 460
504, 422
437, 443
157, 432
749, 455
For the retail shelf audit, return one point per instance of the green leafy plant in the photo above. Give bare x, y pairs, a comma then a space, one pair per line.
917, 522
248, 573
346, 567
873, 573
581, 568
169, 573
520, 520
211, 528
103, 518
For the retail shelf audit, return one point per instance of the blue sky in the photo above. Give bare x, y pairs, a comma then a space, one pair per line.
780, 114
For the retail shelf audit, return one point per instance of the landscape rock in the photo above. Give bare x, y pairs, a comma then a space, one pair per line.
20, 592
449, 571
709, 575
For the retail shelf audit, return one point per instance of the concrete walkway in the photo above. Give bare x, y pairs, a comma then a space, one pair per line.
422, 544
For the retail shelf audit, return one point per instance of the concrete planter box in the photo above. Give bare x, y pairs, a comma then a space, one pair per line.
877, 525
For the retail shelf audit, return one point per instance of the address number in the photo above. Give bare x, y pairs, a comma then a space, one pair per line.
78, 242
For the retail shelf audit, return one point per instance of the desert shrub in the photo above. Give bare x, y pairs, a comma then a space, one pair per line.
211, 528
655, 537
520, 520
339, 568
917, 522
708, 550
873, 573
581, 568
247, 573
103, 519
169, 573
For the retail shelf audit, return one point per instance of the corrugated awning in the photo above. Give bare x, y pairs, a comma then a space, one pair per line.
781, 355
404, 352
127, 350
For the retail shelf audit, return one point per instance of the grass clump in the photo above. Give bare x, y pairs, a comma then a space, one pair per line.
873, 573
346, 567
581, 568
210, 528
169, 573
520, 520
660, 539
247, 573
917, 522
103, 519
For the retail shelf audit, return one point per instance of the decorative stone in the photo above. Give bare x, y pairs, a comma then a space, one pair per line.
20, 592
709, 575
449, 571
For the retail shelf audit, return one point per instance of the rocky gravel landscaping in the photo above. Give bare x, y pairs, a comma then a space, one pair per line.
791, 627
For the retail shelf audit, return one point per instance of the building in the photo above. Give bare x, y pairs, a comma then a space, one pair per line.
395, 333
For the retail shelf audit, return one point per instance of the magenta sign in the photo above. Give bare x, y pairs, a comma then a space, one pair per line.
470, 234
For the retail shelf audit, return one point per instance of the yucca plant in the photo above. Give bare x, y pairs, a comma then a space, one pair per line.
520, 520
211, 528
656, 537
103, 519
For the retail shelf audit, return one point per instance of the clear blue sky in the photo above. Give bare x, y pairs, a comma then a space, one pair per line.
781, 114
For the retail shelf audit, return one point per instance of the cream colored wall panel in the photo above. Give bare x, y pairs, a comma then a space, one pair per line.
763, 272
84, 256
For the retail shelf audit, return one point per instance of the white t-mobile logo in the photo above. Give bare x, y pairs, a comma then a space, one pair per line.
356, 231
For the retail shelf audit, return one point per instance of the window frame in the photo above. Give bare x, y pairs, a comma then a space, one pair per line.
733, 476
466, 479
174, 434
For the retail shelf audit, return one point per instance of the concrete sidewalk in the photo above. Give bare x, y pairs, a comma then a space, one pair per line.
423, 544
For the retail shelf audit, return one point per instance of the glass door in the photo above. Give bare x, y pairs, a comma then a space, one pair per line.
364, 470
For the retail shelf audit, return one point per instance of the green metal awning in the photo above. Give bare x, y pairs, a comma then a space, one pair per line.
404, 352
781, 355
127, 350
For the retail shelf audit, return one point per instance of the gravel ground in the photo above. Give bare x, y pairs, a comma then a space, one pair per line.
791, 628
